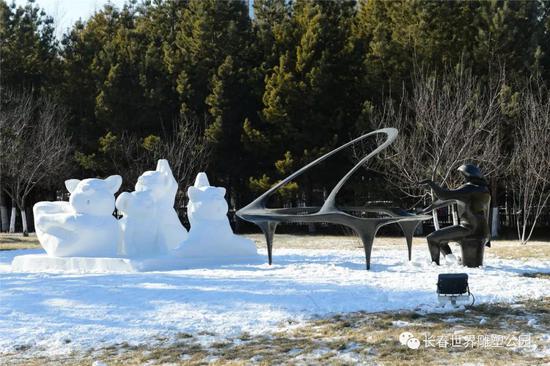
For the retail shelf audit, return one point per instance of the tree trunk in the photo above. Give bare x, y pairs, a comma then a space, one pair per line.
4, 217
12, 218
495, 222
24, 221
494, 203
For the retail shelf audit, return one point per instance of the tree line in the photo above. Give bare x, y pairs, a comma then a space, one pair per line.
263, 88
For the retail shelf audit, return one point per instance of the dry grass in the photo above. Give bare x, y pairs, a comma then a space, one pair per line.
368, 338
510, 249
18, 241
507, 249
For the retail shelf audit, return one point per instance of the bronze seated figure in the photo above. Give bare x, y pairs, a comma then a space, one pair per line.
473, 233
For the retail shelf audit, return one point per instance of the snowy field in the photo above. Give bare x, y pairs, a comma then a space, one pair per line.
55, 314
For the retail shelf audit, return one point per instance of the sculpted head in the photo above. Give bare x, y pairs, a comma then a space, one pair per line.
473, 174
206, 202
93, 196
160, 182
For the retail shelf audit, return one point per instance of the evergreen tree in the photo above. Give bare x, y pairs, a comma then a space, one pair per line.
83, 75
398, 36
310, 99
509, 35
208, 32
211, 64
228, 106
116, 76
28, 48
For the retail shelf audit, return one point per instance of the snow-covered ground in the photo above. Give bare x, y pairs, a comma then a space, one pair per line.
55, 314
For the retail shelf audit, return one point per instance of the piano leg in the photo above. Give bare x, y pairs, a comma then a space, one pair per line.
409, 227
367, 232
268, 228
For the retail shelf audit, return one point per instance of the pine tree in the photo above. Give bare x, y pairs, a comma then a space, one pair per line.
509, 35
208, 32
228, 107
28, 48
310, 99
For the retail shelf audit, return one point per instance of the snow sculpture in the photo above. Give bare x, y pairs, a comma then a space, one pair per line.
82, 235
149, 223
84, 226
210, 237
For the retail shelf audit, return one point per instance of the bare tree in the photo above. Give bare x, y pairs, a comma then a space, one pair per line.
35, 145
183, 145
530, 164
447, 120
187, 148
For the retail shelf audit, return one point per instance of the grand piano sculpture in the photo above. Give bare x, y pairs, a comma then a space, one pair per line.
365, 227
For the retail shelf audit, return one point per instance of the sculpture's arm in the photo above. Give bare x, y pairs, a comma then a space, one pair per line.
46, 222
55, 207
437, 204
446, 194
52, 214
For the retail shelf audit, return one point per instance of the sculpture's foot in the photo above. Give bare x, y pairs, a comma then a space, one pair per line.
435, 251
472, 252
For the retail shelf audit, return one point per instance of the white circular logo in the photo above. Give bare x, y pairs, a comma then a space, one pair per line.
404, 337
413, 343
408, 339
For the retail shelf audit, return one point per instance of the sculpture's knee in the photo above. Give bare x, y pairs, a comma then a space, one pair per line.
433, 238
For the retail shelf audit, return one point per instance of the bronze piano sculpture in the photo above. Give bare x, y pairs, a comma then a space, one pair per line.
365, 227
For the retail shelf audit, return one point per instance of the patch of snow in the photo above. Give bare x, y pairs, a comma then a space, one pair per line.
400, 323
211, 359
185, 357
351, 357
256, 359
294, 352
451, 259
543, 353
452, 319
315, 354
58, 313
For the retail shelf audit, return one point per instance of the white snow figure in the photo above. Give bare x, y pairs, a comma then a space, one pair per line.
210, 237
84, 226
149, 223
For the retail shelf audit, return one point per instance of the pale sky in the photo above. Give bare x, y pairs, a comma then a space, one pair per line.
66, 12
